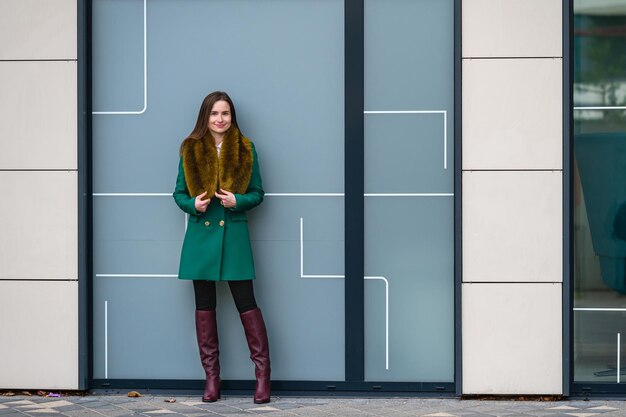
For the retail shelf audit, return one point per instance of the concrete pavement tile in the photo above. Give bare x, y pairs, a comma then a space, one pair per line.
381, 412
562, 407
13, 414
310, 412
263, 408
84, 412
480, 415
19, 402
114, 399
178, 408
69, 407
222, 410
95, 404
285, 405
347, 412
125, 415
113, 411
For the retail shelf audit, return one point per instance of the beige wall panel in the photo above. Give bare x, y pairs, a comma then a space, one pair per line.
39, 121
512, 226
512, 114
512, 339
38, 220
39, 322
512, 28
38, 29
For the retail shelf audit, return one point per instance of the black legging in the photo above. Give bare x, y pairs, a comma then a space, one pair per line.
242, 293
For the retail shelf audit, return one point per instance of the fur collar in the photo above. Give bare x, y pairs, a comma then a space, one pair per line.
204, 171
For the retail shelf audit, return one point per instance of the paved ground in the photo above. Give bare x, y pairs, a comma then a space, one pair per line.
158, 406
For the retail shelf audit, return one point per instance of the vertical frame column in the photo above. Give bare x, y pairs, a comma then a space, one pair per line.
354, 190
84, 191
458, 206
568, 224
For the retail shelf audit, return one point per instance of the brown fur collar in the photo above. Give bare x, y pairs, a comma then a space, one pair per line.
204, 171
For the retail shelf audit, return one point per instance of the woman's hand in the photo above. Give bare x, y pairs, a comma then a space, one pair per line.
227, 198
202, 204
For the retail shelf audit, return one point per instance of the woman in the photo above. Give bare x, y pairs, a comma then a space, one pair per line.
218, 181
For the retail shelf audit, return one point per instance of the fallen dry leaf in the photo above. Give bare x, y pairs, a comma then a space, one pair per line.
134, 394
9, 394
42, 393
170, 400
28, 394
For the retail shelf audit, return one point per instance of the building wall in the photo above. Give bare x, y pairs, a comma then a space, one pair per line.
38, 208
512, 197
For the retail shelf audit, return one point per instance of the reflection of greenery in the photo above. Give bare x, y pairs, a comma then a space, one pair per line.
603, 48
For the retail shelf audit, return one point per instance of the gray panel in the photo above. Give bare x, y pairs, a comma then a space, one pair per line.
413, 250
282, 63
409, 48
117, 55
283, 67
409, 239
404, 153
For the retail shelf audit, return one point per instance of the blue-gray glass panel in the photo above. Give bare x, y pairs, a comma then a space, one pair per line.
282, 63
409, 185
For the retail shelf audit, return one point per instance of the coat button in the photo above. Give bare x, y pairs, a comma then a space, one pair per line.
221, 222
207, 223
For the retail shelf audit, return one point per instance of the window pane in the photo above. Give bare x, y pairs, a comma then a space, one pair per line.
599, 189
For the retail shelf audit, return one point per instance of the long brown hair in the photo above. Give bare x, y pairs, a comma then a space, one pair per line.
202, 124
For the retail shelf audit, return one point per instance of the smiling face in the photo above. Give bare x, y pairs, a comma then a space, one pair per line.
220, 119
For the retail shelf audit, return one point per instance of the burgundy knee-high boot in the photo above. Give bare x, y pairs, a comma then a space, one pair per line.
256, 335
208, 344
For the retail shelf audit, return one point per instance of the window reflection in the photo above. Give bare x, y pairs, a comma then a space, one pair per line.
599, 190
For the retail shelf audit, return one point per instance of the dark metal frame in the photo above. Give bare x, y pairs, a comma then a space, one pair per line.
458, 193
354, 171
568, 156
354, 383
85, 222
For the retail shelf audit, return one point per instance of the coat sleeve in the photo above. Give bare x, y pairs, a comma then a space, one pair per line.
181, 195
254, 194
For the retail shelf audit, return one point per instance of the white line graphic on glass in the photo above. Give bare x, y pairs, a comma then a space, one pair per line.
106, 339
309, 276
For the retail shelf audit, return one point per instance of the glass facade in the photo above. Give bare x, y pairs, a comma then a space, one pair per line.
284, 66
599, 191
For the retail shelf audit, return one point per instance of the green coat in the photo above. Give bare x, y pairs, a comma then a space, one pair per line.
217, 242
